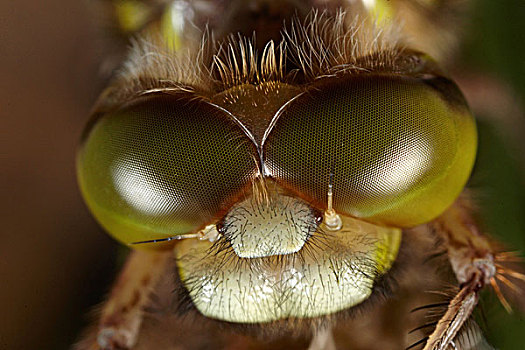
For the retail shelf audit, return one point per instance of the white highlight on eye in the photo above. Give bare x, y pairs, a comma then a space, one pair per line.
139, 188
398, 168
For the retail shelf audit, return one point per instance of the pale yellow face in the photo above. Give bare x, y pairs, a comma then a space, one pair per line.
333, 272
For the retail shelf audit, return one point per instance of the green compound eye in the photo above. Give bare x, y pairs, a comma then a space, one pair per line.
398, 150
162, 166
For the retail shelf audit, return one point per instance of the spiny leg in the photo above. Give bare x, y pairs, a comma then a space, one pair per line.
122, 314
475, 264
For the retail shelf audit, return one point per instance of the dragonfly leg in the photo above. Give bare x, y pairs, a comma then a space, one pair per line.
122, 314
474, 263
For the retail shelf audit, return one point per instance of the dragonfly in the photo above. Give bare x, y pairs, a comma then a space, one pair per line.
288, 175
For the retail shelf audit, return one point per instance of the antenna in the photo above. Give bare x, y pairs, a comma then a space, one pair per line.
332, 220
209, 233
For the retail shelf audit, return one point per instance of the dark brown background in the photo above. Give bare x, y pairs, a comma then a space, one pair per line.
54, 260
55, 263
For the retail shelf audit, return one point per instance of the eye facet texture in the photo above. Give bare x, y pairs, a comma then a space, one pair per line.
398, 150
162, 165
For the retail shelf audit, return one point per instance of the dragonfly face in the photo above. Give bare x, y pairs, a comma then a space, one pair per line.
285, 178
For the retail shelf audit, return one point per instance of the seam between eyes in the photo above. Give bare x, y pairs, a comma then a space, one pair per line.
243, 127
248, 133
271, 125
245, 130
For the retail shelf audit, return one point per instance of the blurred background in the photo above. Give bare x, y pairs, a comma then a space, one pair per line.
55, 262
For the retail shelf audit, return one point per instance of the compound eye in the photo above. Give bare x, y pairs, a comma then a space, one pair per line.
161, 166
397, 150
